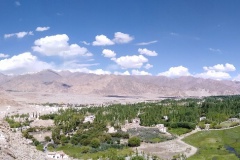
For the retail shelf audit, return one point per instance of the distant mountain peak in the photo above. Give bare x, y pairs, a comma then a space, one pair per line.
83, 83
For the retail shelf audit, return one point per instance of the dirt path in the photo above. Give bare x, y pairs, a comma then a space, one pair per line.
168, 149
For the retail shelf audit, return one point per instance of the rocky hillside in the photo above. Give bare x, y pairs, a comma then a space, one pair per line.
49, 81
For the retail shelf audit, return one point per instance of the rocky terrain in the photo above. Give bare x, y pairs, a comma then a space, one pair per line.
14, 146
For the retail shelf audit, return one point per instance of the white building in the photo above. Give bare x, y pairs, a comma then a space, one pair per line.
202, 118
57, 155
161, 128
89, 119
136, 121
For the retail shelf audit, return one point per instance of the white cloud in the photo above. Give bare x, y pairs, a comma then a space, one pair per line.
86, 70
146, 43
148, 66
102, 40
215, 50
18, 35
137, 72
23, 63
120, 37
99, 72
237, 78
86, 43
75, 64
2, 55
176, 72
147, 52
126, 73
9, 35
41, 29
221, 68
135, 61
174, 34
218, 72
57, 45
212, 74
17, 3
23, 34
108, 53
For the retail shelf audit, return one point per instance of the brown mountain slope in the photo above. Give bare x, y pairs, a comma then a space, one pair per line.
6, 99
81, 83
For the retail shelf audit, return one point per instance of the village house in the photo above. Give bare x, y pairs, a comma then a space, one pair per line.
136, 121
234, 120
161, 128
57, 155
202, 118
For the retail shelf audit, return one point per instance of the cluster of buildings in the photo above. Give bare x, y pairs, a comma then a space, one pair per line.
57, 155
136, 124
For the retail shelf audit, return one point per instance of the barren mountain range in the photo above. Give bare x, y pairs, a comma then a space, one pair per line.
48, 81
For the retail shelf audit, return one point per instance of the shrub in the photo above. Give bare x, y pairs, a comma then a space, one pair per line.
234, 124
95, 143
134, 142
214, 125
85, 149
120, 135
137, 158
36, 142
187, 125
47, 139
201, 125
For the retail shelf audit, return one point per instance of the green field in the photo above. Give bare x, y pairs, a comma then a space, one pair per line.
111, 153
212, 144
178, 131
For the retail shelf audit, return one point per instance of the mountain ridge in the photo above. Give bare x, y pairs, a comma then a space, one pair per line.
82, 83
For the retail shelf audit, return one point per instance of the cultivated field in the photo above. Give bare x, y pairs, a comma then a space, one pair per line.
216, 144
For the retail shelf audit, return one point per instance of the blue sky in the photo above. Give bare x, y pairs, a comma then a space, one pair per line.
172, 38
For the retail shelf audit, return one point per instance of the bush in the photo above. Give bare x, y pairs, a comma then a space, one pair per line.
39, 147
95, 143
187, 125
138, 158
234, 124
51, 145
120, 135
36, 142
85, 149
134, 142
201, 125
48, 116
47, 139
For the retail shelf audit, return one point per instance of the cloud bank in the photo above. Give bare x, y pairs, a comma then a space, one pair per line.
57, 45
